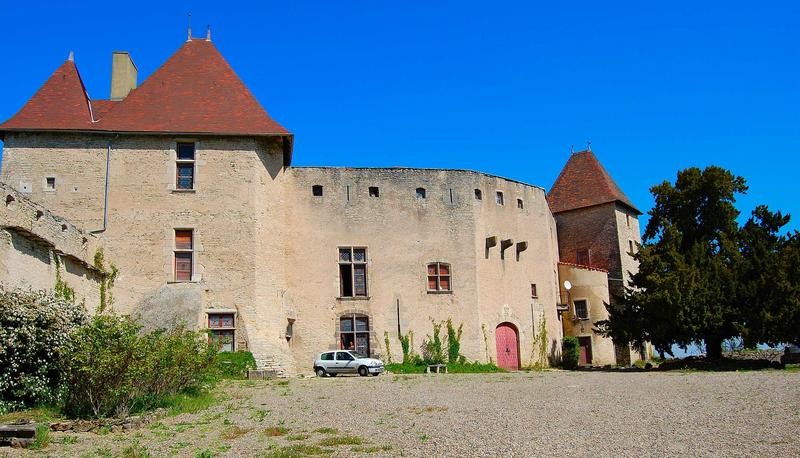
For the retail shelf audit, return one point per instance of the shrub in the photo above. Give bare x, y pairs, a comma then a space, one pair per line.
432, 351
34, 326
570, 352
112, 369
453, 342
234, 365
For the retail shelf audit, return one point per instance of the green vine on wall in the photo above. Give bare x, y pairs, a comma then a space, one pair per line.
107, 278
388, 351
407, 343
539, 346
486, 343
61, 289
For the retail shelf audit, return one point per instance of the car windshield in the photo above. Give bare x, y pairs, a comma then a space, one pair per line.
357, 355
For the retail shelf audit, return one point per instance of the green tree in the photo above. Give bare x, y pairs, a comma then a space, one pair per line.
704, 278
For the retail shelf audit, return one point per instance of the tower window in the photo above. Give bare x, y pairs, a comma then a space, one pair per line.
499, 198
353, 272
374, 191
420, 193
439, 277
316, 190
520, 204
581, 310
478, 194
184, 253
50, 183
584, 257
184, 166
534, 293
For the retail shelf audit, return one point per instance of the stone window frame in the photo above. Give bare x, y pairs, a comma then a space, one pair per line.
438, 276
45, 183
220, 329
499, 198
374, 345
585, 300
353, 263
174, 161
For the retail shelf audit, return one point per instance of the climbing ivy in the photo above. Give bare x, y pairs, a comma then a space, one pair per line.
486, 343
407, 343
539, 345
107, 277
388, 351
61, 289
453, 341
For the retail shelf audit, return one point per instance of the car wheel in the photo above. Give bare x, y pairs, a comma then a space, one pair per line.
320, 372
362, 371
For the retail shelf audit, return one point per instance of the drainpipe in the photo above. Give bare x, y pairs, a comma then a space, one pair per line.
105, 193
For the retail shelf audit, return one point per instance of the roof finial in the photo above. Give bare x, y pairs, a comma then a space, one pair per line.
572, 149
71, 57
208, 33
189, 32
589, 146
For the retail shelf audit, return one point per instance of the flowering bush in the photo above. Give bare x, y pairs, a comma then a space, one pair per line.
113, 369
34, 327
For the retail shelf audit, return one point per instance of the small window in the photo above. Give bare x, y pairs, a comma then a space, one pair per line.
478, 194
452, 196
581, 310
353, 272
184, 253
499, 198
520, 204
222, 331
184, 166
584, 257
316, 190
439, 277
327, 356
628, 220
374, 191
534, 293
50, 183
630, 246
420, 193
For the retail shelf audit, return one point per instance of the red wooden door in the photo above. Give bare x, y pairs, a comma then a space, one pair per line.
507, 347
586, 350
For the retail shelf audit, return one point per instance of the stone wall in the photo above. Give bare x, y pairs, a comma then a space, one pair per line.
37, 245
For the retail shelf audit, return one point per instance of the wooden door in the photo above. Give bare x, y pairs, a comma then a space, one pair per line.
586, 351
507, 347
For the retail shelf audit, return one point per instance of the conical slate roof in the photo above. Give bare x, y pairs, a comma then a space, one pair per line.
584, 182
194, 92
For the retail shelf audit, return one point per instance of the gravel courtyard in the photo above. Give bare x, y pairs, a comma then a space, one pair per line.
513, 414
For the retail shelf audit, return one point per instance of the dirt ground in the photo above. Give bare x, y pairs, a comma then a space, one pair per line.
511, 414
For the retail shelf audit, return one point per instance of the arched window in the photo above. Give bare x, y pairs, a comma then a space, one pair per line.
420, 193
439, 277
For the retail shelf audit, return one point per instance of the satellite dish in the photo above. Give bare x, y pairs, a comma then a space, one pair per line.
567, 285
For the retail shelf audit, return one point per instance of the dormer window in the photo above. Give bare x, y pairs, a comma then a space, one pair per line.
184, 166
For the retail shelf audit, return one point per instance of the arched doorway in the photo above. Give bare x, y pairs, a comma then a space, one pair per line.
507, 346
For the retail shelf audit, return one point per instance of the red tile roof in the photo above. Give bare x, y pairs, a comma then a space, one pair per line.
583, 182
194, 92
61, 103
581, 266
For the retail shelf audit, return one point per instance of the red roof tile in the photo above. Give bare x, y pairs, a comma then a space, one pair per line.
194, 92
61, 103
583, 182
581, 266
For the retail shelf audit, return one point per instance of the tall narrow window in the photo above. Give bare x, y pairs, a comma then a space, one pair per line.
520, 204
628, 220
439, 277
478, 194
184, 167
420, 193
584, 257
353, 272
534, 293
581, 310
184, 252
499, 198
630, 246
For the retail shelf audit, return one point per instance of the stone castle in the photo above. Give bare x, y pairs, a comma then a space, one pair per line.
186, 184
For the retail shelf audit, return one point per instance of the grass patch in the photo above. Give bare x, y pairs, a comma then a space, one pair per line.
341, 440
189, 402
135, 450
466, 368
275, 431
792, 368
42, 438
234, 432
298, 437
35, 415
326, 430
372, 449
297, 451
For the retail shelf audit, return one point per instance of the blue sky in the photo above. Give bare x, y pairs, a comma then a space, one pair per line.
501, 87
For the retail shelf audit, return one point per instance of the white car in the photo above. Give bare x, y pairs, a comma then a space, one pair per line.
338, 362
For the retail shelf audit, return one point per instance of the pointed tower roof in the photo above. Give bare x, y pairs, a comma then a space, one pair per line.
584, 182
194, 91
60, 104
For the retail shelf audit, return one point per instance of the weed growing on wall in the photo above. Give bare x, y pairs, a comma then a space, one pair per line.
539, 346
388, 350
107, 278
407, 343
486, 343
61, 289
453, 342
432, 351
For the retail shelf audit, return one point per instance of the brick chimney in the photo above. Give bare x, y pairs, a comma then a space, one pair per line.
123, 75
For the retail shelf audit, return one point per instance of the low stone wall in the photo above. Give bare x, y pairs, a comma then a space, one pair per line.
114, 424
